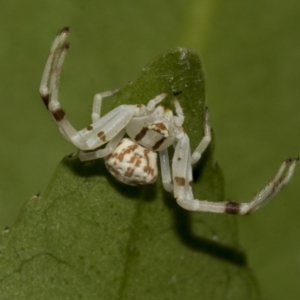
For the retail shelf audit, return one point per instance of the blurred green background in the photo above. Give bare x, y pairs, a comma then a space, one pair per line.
251, 53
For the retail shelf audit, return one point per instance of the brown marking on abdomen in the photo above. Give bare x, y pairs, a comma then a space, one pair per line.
129, 149
129, 172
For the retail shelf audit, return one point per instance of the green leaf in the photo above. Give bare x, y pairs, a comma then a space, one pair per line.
90, 237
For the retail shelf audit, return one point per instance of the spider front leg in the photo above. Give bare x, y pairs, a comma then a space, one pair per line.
49, 87
182, 177
57, 47
102, 130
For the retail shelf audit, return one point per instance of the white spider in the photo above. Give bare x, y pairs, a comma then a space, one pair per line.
150, 129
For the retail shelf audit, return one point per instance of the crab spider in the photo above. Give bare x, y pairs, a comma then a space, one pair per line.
134, 134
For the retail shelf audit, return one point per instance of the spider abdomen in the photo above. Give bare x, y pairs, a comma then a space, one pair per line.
132, 164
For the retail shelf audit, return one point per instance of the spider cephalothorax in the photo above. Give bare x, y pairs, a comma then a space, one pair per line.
150, 129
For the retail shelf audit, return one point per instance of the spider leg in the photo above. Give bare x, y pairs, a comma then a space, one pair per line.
107, 127
153, 102
282, 177
57, 44
165, 170
98, 103
111, 145
99, 132
49, 87
182, 172
179, 119
205, 140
